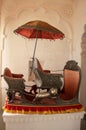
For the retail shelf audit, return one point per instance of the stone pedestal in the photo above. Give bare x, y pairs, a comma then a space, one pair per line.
67, 121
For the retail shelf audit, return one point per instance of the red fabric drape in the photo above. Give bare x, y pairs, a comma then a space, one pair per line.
42, 109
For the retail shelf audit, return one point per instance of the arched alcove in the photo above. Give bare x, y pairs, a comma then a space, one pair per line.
17, 51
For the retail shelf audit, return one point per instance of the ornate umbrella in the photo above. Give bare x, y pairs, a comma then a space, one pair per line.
39, 29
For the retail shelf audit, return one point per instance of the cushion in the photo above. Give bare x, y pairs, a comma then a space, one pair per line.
7, 72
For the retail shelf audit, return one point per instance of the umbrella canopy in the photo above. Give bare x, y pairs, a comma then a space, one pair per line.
39, 29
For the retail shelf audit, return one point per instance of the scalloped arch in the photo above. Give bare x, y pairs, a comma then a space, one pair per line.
41, 13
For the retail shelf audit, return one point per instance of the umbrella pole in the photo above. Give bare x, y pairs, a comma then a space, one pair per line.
34, 53
35, 46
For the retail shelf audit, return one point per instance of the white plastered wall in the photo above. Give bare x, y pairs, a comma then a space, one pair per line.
17, 51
